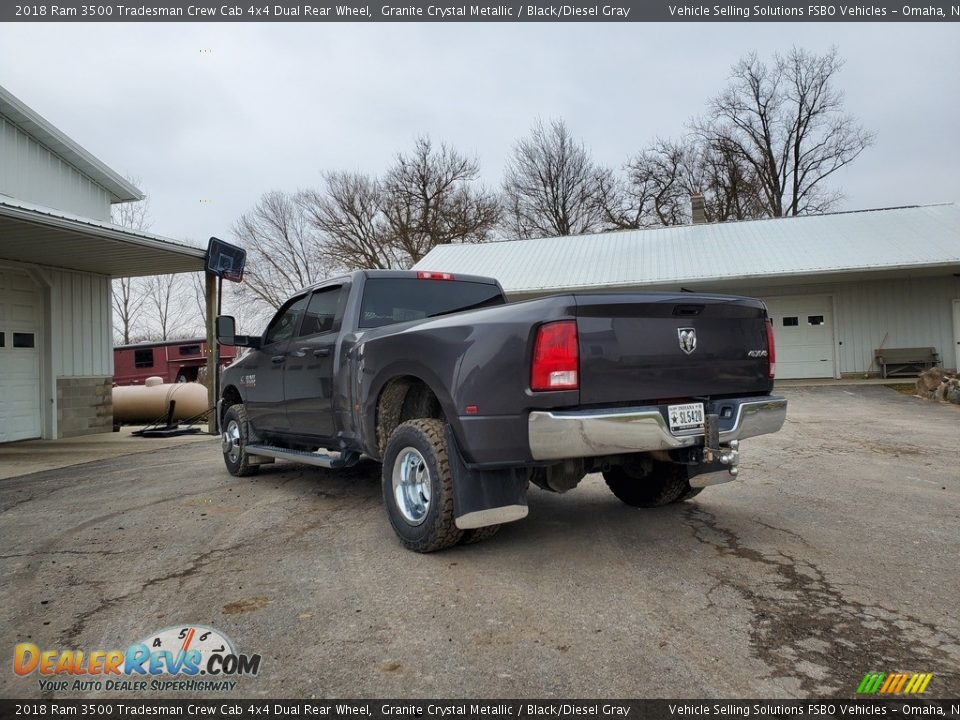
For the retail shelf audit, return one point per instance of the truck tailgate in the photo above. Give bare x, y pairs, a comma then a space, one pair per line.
631, 349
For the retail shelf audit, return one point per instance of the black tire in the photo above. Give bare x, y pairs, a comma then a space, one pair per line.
690, 493
666, 483
389, 408
479, 534
420, 501
235, 454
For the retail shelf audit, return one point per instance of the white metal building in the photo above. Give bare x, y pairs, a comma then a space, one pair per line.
58, 253
837, 286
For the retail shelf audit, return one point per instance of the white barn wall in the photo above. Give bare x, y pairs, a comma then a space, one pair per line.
897, 313
81, 352
908, 312
31, 172
81, 327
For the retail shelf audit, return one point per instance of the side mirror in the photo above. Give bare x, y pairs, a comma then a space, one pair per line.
226, 328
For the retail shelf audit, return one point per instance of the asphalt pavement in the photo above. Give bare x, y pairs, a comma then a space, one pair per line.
836, 553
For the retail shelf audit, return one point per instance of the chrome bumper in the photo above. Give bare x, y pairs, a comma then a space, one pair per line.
592, 433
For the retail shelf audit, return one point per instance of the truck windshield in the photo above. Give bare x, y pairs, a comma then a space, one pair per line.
394, 300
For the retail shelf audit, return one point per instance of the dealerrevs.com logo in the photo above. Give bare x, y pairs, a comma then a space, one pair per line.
187, 658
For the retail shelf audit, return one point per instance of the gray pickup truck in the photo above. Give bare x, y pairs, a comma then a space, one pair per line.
465, 399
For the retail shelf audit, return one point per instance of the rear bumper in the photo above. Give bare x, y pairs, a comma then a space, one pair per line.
593, 433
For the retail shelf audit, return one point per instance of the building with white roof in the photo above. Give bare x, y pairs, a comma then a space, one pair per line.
838, 286
58, 254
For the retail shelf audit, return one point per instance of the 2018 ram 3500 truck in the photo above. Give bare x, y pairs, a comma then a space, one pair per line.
466, 399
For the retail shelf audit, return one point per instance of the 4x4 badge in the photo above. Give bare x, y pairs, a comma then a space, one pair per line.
688, 339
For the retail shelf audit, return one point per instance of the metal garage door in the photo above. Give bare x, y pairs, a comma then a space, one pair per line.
803, 330
20, 322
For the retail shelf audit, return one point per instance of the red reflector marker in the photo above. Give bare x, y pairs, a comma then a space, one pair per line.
427, 275
771, 352
556, 357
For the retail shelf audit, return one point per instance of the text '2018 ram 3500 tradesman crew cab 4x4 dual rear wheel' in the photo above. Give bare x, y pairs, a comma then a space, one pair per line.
465, 399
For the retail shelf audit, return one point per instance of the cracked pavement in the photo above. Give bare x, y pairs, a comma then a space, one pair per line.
835, 553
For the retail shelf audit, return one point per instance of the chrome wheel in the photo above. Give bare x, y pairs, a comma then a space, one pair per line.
411, 485
230, 441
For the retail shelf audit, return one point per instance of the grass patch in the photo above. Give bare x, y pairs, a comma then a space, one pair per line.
904, 388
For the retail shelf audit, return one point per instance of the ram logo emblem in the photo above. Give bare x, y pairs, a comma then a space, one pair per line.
688, 339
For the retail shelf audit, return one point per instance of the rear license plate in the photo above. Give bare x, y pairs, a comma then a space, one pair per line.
685, 417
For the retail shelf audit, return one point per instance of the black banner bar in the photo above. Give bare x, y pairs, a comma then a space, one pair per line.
467, 11
243, 709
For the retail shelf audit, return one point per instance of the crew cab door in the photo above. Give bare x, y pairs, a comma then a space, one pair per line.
264, 396
310, 365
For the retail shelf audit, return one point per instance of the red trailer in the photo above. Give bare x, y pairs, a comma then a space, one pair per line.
173, 360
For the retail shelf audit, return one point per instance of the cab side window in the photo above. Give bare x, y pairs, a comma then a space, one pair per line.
321, 314
285, 322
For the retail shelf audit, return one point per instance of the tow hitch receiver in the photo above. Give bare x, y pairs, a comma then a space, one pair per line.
713, 452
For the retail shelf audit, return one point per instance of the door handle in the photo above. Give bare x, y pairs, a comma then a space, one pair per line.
321, 352
278, 358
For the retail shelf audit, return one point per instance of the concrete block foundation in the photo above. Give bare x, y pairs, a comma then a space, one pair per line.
84, 406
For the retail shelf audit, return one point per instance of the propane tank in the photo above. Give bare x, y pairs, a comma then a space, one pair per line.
151, 401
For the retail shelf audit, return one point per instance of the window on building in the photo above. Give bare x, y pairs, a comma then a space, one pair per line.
143, 358
23, 340
814, 319
3, 340
189, 349
791, 321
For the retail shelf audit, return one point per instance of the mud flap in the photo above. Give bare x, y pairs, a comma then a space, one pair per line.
484, 497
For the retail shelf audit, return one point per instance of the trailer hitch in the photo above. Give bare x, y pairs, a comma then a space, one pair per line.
714, 452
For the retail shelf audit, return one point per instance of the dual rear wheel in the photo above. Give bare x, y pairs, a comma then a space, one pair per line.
418, 489
666, 483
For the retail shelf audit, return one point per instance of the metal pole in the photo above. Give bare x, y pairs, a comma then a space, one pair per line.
210, 298
216, 378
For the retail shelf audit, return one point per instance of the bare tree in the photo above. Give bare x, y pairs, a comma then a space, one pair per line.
196, 296
165, 300
427, 198
430, 198
284, 251
128, 293
251, 318
128, 299
660, 180
730, 186
655, 190
786, 123
552, 186
349, 216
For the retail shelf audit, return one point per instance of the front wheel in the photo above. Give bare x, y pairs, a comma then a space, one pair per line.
234, 438
418, 486
666, 483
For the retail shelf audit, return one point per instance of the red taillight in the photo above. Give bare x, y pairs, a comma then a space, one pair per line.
425, 275
556, 357
771, 352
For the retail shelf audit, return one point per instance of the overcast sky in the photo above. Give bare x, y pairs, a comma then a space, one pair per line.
271, 106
